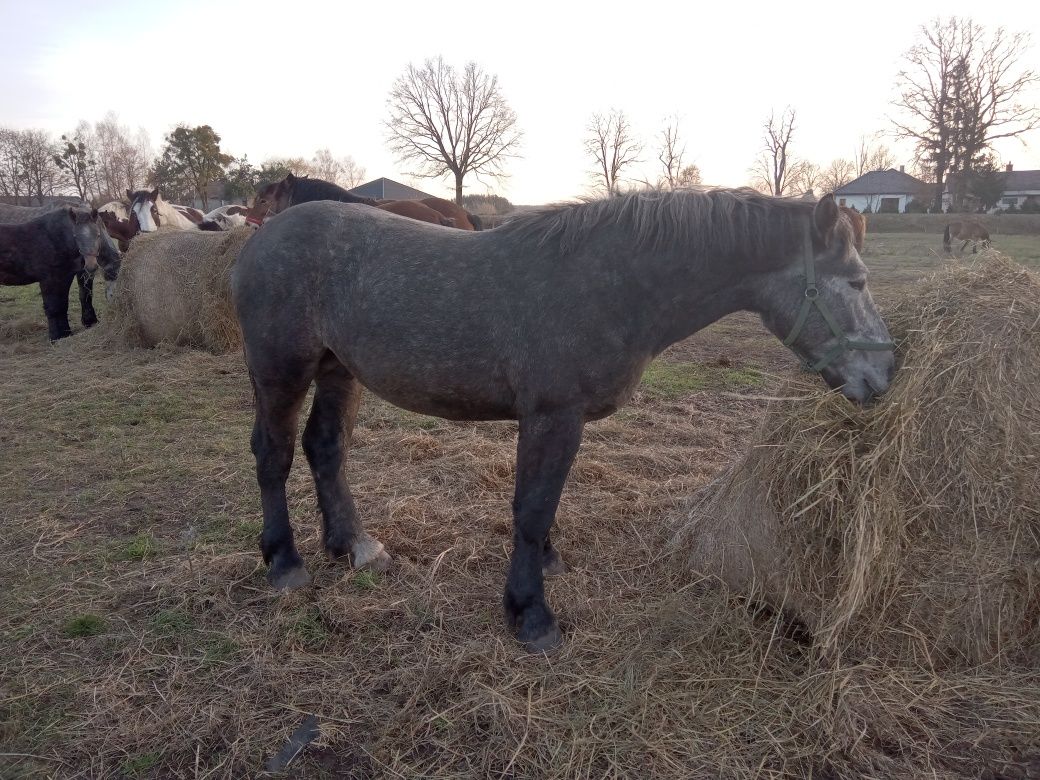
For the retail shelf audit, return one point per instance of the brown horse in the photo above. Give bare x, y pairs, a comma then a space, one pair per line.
859, 226
122, 230
463, 219
965, 230
414, 209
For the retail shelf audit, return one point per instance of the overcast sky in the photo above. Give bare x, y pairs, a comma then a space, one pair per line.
288, 78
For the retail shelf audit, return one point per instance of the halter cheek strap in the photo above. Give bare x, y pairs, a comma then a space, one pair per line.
812, 300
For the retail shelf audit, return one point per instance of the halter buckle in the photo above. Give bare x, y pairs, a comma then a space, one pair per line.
811, 292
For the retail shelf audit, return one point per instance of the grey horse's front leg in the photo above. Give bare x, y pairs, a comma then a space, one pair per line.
546, 449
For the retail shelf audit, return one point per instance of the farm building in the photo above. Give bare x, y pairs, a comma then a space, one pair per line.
881, 192
1019, 187
388, 189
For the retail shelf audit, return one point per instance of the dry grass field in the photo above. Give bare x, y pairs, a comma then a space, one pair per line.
140, 639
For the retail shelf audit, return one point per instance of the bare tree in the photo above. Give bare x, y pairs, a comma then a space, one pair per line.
960, 91
613, 146
122, 163
74, 158
772, 171
690, 176
27, 168
670, 152
325, 166
12, 178
804, 177
351, 173
837, 174
446, 123
870, 157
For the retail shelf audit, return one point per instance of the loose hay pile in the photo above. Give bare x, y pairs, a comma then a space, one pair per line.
175, 287
909, 529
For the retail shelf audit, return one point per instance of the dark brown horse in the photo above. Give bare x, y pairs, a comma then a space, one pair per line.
52, 249
549, 319
966, 230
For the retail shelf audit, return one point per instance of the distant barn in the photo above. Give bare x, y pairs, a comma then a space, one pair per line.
388, 189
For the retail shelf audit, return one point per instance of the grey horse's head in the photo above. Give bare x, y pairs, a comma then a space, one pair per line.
87, 235
819, 305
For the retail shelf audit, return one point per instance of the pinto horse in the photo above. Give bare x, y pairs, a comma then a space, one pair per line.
555, 332
152, 212
51, 248
122, 230
966, 230
224, 218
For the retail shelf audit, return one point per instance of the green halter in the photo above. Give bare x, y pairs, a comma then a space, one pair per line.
813, 299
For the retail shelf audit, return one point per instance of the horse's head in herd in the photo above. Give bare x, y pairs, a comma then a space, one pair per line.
144, 209
120, 229
818, 304
87, 235
271, 199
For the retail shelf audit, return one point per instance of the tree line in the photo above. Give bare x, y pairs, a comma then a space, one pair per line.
960, 91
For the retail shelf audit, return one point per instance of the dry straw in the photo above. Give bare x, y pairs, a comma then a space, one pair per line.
910, 528
174, 287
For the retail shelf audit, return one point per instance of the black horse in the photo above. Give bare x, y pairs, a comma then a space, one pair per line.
52, 249
549, 320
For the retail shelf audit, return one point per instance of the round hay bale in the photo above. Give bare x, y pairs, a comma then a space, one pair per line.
175, 287
911, 526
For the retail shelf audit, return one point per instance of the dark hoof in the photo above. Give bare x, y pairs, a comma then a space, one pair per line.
548, 642
289, 579
553, 565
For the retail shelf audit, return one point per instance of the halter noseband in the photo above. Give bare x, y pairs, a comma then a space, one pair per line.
812, 299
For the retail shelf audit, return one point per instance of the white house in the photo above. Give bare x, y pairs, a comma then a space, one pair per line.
1019, 186
881, 192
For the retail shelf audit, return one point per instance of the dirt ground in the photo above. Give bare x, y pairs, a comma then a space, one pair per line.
141, 639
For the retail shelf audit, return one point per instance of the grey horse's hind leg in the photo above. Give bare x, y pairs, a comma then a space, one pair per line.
545, 452
274, 438
326, 440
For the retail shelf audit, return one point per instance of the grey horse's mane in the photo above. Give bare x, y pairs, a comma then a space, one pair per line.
727, 222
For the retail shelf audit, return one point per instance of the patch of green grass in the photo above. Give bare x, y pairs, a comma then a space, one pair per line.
741, 377
171, 622
219, 650
139, 548
670, 381
136, 766
224, 530
84, 626
365, 579
310, 629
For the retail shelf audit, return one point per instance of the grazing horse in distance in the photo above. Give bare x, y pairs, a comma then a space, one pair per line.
557, 331
463, 219
152, 212
52, 249
965, 230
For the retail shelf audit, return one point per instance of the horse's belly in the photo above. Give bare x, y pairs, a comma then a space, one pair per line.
451, 404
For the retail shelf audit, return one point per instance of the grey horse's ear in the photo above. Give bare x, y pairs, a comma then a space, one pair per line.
129, 195
155, 195
825, 217
289, 178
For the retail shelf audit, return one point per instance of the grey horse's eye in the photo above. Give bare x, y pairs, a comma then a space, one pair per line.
858, 284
